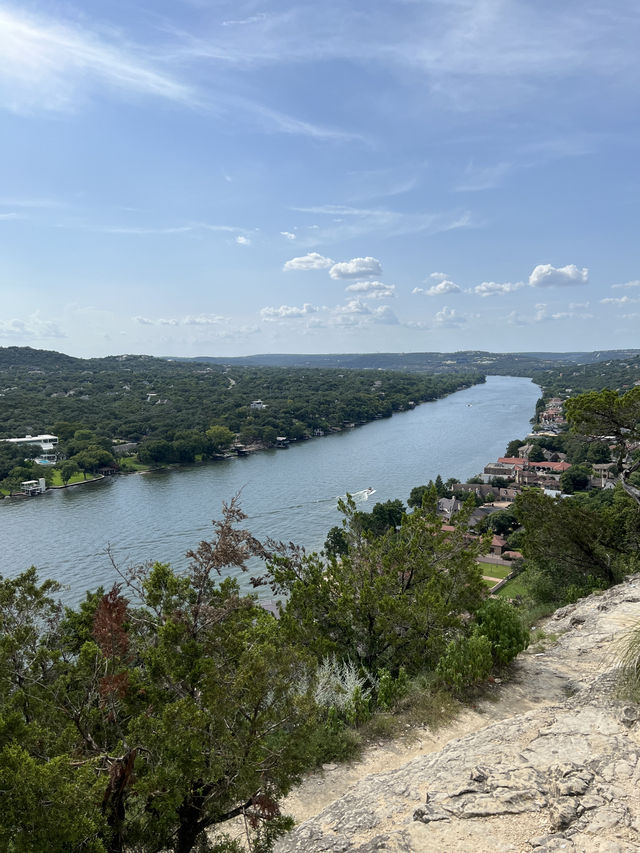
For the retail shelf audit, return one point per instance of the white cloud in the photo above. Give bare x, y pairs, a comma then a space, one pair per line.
515, 319
354, 306
288, 312
312, 261
288, 234
189, 320
49, 65
356, 268
483, 177
490, 288
618, 300
541, 312
385, 315
351, 223
439, 289
203, 320
629, 284
32, 328
242, 240
545, 275
372, 289
439, 276
449, 318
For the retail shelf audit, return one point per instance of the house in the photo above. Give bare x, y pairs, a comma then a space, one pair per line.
45, 442
33, 487
449, 506
257, 405
498, 544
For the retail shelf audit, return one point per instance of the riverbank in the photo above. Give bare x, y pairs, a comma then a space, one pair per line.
288, 495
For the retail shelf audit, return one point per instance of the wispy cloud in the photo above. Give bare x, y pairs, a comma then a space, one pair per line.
627, 286
477, 178
491, 288
372, 289
350, 222
32, 328
619, 300
189, 320
53, 66
49, 65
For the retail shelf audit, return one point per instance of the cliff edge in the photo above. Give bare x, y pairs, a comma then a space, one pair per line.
553, 764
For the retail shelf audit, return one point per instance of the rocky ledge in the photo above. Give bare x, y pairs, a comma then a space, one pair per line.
563, 775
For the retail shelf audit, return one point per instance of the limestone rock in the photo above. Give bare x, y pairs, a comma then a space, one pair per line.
564, 775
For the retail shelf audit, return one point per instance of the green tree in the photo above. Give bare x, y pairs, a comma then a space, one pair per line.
67, 469
156, 720
606, 414
536, 454
220, 438
393, 600
575, 479
571, 548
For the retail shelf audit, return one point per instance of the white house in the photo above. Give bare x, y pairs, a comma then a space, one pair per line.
46, 442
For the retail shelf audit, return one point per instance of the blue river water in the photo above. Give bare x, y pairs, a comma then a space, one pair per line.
287, 494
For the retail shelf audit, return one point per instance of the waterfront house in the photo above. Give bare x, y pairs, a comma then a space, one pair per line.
45, 442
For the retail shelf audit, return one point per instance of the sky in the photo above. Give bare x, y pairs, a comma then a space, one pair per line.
202, 177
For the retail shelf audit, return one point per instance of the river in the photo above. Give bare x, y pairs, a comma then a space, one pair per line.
288, 494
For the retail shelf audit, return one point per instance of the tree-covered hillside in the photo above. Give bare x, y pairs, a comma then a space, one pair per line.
131, 397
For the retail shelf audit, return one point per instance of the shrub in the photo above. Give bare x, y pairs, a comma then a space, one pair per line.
502, 625
467, 661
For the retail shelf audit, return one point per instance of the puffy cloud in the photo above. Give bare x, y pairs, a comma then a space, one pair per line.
372, 289
312, 261
288, 234
490, 288
31, 328
385, 315
288, 312
439, 276
241, 240
443, 287
545, 275
354, 306
356, 268
449, 318
541, 312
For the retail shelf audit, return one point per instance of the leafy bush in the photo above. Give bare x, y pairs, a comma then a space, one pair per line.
502, 625
391, 689
467, 661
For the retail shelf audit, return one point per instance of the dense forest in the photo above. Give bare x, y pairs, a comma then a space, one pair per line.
131, 397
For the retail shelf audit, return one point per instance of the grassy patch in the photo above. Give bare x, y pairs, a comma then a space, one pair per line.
130, 465
56, 479
492, 571
513, 588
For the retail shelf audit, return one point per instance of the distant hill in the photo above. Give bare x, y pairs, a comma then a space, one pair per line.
520, 363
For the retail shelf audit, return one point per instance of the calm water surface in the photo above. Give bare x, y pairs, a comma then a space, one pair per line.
287, 494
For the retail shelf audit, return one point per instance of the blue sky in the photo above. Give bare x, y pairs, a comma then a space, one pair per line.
200, 177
